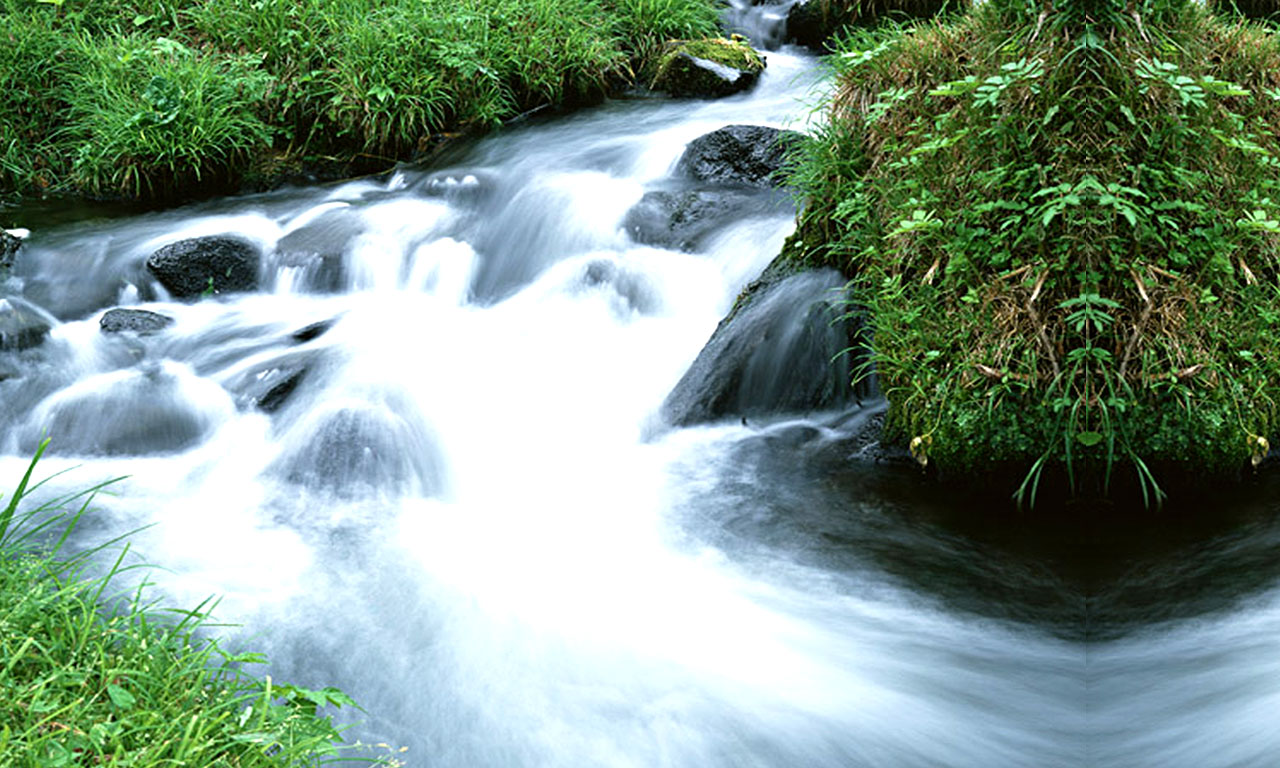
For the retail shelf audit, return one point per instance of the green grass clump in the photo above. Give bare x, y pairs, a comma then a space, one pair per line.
150, 116
156, 98
91, 678
1064, 221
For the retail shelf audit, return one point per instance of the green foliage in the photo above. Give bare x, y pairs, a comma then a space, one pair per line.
649, 24
89, 678
1064, 222
146, 113
153, 97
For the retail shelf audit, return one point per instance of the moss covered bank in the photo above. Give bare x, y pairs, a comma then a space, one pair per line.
1064, 219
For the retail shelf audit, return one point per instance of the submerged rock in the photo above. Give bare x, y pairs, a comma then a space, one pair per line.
22, 324
313, 331
633, 292
139, 321
708, 68
778, 351
156, 409
681, 220
316, 250
189, 268
737, 154
355, 448
269, 386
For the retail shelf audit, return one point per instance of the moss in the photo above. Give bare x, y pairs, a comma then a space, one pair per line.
680, 72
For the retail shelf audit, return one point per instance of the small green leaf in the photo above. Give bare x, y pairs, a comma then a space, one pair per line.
1089, 439
120, 697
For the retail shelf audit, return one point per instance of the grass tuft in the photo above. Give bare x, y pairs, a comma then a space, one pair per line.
92, 677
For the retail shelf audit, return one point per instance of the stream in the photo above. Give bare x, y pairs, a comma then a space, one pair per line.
425, 463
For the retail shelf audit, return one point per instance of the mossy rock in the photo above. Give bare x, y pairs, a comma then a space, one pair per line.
708, 68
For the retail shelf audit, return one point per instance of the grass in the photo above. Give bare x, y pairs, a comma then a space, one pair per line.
1063, 220
156, 98
89, 676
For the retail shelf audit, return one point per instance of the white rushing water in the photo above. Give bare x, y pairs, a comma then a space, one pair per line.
464, 515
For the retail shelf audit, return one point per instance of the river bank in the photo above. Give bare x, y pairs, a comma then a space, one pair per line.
1076, 304
159, 99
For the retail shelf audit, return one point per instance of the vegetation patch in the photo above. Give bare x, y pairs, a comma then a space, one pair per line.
155, 98
1064, 219
90, 677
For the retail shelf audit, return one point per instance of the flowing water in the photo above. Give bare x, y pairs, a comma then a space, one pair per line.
425, 464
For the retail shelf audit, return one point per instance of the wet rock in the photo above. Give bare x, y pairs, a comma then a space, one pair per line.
686, 219
188, 268
777, 352
811, 23
682, 220
808, 25
737, 154
157, 409
315, 251
460, 186
708, 68
269, 386
139, 321
357, 448
22, 324
9, 245
313, 331
633, 292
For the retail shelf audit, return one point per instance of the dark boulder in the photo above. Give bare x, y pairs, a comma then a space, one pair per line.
809, 25
138, 321
9, 246
681, 220
737, 154
778, 351
22, 324
189, 268
708, 68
